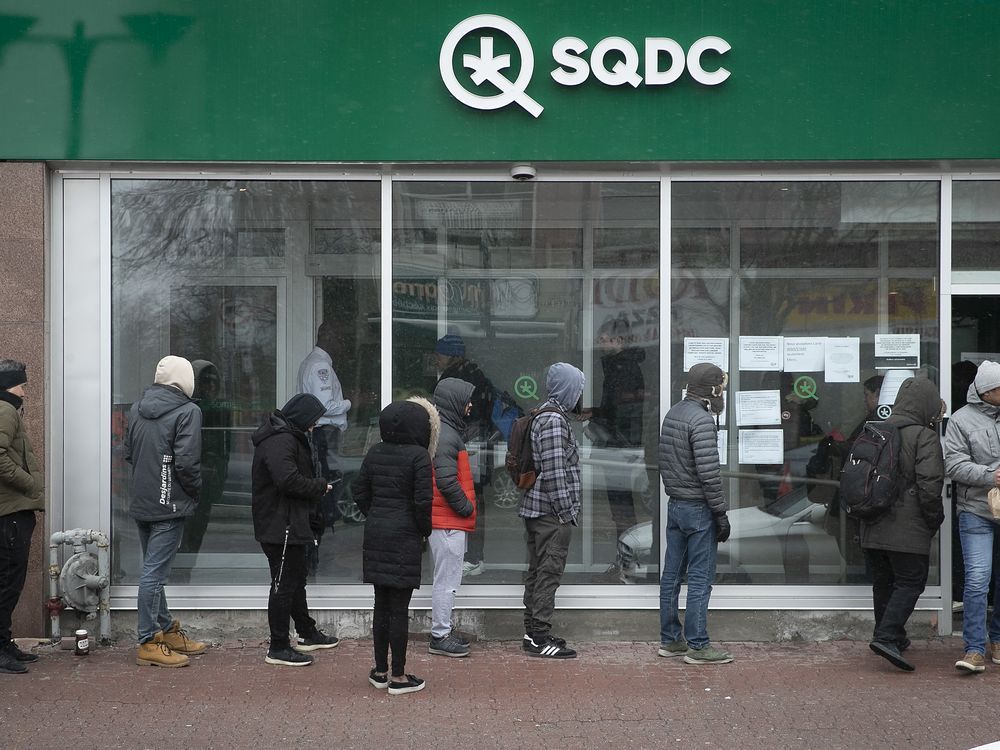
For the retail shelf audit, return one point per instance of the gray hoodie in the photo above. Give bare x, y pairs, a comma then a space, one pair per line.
972, 452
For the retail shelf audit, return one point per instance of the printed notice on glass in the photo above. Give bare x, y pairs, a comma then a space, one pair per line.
714, 351
843, 360
897, 351
762, 446
805, 354
723, 447
761, 353
758, 407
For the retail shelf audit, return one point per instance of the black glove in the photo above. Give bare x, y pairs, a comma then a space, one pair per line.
316, 525
722, 528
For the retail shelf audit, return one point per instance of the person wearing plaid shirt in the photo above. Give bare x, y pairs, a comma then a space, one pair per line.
550, 508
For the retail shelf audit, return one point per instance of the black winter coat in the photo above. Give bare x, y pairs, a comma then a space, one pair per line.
395, 489
284, 489
909, 525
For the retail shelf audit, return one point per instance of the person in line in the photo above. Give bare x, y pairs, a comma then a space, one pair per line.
897, 544
163, 447
22, 485
618, 419
285, 504
551, 507
453, 514
971, 461
697, 520
395, 491
318, 378
451, 361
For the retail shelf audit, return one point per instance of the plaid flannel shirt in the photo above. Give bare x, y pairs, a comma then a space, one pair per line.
557, 490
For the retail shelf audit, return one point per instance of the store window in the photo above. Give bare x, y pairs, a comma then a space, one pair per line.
519, 276
975, 232
788, 284
237, 276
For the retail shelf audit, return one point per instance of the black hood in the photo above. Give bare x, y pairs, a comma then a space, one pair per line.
302, 411
158, 400
405, 423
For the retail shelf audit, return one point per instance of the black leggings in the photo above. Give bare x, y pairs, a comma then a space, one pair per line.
389, 628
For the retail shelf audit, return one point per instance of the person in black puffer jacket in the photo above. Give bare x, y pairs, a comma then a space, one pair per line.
395, 490
897, 544
286, 519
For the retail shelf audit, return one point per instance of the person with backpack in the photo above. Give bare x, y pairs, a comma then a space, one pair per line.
696, 514
453, 514
550, 507
395, 491
971, 460
897, 542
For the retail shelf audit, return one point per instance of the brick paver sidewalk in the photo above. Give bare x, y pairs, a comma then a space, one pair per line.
789, 695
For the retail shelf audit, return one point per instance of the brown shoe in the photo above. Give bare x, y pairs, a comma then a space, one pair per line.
177, 640
995, 652
973, 661
156, 653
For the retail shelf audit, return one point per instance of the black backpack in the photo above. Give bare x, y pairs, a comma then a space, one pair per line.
870, 480
520, 461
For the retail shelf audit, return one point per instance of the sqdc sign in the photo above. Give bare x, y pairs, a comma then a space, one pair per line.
572, 67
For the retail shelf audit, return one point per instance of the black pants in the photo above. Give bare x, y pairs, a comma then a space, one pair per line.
15, 543
289, 600
548, 547
477, 539
899, 580
390, 624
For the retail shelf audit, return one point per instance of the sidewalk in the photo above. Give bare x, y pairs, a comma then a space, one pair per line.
787, 695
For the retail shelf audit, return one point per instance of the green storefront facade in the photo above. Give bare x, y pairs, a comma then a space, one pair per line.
807, 193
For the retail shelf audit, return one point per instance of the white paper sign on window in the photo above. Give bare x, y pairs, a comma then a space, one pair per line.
762, 446
712, 350
761, 353
843, 360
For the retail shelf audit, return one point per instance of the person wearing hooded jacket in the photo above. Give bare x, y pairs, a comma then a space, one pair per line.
897, 544
395, 491
163, 447
22, 485
286, 518
453, 513
696, 514
971, 460
550, 508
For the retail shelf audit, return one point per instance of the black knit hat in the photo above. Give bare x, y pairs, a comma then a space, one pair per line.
302, 411
12, 374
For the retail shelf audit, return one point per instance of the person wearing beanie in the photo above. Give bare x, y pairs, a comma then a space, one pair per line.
551, 507
286, 521
163, 448
395, 491
696, 514
971, 460
22, 484
450, 359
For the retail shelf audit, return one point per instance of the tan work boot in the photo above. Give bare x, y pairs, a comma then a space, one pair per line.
177, 640
156, 653
973, 661
995, 652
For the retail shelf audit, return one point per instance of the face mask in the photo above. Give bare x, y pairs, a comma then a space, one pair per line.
717, 402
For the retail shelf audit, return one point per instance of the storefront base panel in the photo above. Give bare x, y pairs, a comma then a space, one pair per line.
575, 625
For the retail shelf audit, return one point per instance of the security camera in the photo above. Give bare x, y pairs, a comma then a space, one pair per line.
523, 172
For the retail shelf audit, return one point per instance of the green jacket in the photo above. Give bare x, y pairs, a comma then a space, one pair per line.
21, 480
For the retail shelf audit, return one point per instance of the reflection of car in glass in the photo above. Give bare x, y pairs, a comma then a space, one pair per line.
785, 533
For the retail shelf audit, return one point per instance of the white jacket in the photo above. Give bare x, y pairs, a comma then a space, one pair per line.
316, 376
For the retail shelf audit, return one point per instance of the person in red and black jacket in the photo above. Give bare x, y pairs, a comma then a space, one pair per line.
453, 514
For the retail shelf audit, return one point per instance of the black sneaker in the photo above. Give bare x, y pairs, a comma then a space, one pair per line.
288, 658
412, 685
316, 641
459, 638
20, 655
448, 646
9, 663
890, 652
377, 680
546, 647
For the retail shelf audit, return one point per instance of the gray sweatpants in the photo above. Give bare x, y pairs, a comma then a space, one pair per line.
448, 552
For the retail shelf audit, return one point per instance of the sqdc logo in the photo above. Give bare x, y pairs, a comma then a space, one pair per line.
571, 67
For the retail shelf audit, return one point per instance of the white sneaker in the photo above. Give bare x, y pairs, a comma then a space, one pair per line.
473, 569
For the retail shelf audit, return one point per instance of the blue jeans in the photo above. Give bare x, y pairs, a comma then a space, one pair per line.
159, 541
691, 548
976, 534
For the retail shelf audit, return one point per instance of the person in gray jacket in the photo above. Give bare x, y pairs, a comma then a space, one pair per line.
163, 447
696, 514
971, 460
897, 544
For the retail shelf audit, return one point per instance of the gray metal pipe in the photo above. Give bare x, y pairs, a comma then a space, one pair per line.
79, 538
